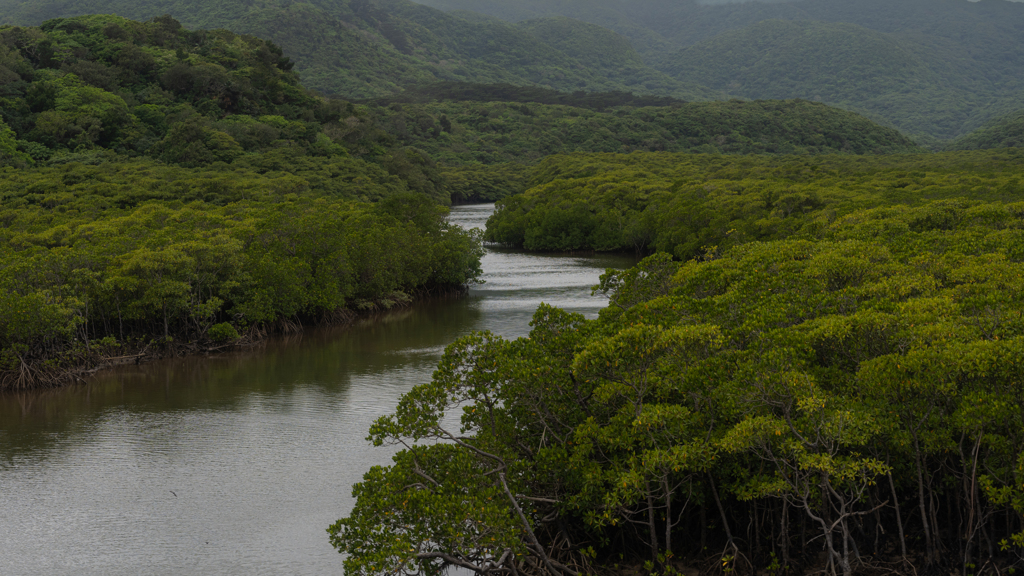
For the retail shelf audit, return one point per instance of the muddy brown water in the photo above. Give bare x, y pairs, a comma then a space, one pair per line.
236, 464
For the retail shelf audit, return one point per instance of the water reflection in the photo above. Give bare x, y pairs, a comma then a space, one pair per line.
237, 463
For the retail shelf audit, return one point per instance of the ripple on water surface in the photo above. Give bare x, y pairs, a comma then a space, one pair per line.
236, 464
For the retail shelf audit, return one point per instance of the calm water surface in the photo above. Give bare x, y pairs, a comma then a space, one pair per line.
236, 464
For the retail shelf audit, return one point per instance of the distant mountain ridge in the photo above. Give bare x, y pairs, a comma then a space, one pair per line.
372, 48
934, 69
953, 64
1004, 132
917, 83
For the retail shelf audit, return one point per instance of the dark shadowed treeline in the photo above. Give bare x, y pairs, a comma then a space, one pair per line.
468, 92
466, 132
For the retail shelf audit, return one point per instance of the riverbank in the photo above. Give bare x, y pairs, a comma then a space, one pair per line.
261, 445
72, 367
89, 358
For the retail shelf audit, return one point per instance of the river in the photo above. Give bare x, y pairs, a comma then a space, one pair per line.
236, 464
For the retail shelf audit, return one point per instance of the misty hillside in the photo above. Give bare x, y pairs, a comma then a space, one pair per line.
1004, 132
920, 84
935, 69
954, 64
607, 51
460, 133
654, 24
370, 48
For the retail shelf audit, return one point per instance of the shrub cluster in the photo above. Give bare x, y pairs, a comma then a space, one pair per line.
847, 403
688, 205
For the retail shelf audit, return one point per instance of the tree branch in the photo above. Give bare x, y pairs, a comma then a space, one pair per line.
526, 525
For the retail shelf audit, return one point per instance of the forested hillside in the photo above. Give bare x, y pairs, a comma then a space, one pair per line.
464, 135
937, 69
826, 380
610, 53
372, 48
486, 138
79, 88
652, 25
1004, 132
167, 190
923, 88
470, 92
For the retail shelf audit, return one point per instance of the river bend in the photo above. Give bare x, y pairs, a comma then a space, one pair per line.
236, 464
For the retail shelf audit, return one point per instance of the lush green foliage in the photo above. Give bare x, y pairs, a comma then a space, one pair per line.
77, 87
80, 86
121, 252
601, 49
164, 184
153, 88
857, 392
1004, 132
688, 205
480, 183
208, 97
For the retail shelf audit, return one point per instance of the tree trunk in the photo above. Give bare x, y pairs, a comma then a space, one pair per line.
925, 521
899, 519
651, 524
756, 540
668, 519
703, 527
785, 534
844, 558
721, 510
933, 515
526, 525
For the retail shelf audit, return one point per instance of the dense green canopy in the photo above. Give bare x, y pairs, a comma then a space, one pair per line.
163, 190
486, 148
844, 397
75, 89
687, 204
97, 261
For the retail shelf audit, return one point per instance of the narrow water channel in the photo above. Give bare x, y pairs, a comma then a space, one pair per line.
236, 464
